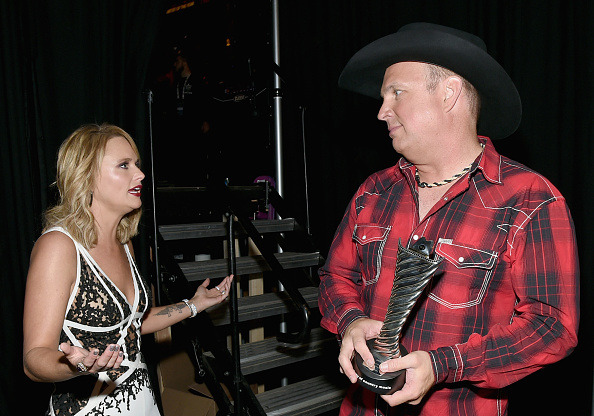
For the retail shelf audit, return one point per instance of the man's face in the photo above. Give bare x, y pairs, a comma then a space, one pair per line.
412, 113
178, 64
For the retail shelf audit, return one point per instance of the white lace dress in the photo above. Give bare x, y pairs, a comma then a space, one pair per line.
98, 314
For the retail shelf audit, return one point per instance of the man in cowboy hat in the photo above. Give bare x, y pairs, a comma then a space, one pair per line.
504, 301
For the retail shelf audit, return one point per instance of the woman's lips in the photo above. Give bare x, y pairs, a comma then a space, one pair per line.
135, 191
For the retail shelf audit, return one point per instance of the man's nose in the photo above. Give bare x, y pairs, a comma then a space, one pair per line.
384, 111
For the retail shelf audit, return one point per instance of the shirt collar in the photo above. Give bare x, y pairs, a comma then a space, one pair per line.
489, 162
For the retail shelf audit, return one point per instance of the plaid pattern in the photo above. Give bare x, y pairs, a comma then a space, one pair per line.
503, 303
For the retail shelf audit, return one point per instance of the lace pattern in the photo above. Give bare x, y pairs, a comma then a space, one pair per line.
98, 314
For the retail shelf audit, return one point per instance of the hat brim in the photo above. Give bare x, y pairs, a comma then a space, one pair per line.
501, 107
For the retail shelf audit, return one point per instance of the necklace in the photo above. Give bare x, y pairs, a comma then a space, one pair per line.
445, 181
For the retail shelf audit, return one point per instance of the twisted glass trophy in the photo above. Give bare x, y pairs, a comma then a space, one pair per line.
414, 268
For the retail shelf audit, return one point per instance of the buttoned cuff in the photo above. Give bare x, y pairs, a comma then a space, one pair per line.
348, 318
447, 364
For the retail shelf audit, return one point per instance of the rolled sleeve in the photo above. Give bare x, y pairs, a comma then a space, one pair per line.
340, 279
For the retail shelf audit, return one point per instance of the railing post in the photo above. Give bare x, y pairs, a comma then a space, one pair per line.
155, 230
234, 318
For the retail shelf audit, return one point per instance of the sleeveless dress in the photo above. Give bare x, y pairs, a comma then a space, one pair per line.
98, 314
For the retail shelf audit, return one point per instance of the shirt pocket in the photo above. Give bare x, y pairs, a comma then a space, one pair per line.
370, 240
467, 273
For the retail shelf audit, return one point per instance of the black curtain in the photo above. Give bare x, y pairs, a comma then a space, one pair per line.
546, 47
65, 63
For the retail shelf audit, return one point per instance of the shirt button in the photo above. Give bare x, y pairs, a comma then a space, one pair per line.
415, 237
445, 198
461, 259
364, 237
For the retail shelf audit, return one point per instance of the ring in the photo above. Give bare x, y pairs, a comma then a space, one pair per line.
222, 292
81, 367
217, 288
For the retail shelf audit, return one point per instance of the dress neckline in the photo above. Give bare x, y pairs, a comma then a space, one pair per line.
134, 303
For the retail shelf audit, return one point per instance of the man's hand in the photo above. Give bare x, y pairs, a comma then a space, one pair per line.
354, 338
419, 377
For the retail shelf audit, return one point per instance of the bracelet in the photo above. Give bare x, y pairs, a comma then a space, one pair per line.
192, 308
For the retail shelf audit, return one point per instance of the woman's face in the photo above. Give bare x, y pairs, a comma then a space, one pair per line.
118, 182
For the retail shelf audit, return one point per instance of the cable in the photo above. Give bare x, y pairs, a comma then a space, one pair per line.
305, 169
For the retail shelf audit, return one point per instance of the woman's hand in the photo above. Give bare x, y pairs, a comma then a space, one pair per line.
162, 317
205, 298
85, 361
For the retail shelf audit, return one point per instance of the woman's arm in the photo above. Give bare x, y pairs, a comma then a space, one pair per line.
161, 317
50, 281
52, 273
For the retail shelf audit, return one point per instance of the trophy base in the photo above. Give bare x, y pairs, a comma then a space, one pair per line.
386, 383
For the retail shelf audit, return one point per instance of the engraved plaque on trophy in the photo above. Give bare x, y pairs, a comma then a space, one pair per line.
414, 268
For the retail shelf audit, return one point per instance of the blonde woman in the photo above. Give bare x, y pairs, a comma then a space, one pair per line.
86, 304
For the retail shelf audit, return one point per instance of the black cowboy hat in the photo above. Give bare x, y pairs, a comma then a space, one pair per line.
458, 51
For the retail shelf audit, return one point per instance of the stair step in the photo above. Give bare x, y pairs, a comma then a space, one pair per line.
269, 353
261, 306
309, 397
219, 229
200, 270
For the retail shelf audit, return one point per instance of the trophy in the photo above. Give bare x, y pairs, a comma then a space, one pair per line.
414, 268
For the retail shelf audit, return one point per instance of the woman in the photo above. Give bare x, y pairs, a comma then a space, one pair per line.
85, 303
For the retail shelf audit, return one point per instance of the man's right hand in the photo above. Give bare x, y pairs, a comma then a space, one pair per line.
354, 339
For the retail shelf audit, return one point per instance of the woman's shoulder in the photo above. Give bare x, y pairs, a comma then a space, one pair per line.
54, 261
55, 243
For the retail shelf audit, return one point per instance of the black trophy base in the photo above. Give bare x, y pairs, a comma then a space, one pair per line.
386, 383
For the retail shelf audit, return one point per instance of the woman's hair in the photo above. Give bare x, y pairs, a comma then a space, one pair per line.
79, 160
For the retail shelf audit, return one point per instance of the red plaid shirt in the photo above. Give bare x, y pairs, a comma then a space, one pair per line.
503, 303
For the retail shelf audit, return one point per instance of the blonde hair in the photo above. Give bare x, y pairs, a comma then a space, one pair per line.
79, 160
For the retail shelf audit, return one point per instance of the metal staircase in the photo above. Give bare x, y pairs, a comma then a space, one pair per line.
289, 366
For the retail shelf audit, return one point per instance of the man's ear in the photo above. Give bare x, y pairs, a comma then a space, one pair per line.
452, 92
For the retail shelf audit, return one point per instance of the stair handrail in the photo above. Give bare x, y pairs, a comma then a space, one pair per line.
296, 298
176, 288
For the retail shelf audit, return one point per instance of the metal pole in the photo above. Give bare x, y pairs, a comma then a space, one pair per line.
234, 318
276, 101
278, 133
156, 265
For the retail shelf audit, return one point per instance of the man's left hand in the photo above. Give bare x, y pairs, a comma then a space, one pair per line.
419, 377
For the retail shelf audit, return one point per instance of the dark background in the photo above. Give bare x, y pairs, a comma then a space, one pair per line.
65, 63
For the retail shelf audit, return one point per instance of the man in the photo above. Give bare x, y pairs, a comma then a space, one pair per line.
190, 94
191, 143
504, 301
